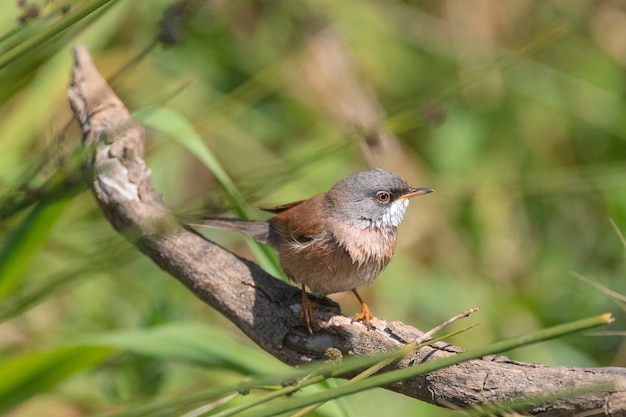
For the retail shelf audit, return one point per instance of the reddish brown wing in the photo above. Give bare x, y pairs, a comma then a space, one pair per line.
301, 221
304, 241
282, 207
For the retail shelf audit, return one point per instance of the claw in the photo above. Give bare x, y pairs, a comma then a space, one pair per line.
365, 315
306, 312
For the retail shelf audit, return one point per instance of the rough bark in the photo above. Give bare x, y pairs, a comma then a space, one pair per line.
265, 308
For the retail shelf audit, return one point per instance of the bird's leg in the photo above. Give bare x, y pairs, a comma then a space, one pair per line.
306, 312
366, 314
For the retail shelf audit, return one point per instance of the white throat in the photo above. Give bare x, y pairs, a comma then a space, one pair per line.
393, 215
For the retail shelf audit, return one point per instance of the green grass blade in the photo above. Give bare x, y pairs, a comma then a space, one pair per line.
30, 44
17, 304
173, 406
408, 348
179, 128
34, 373
182, 130
426, 367
319, 373
200, 345
24, 242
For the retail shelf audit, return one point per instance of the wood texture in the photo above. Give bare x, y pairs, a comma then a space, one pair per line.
265, 308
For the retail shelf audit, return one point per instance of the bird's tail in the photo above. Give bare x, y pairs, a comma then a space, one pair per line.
257, 230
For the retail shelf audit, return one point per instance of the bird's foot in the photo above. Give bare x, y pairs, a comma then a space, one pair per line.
365, 316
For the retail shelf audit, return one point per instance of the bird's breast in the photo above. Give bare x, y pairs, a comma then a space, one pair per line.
366, 245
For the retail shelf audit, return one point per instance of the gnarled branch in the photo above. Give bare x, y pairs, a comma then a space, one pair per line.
265, 308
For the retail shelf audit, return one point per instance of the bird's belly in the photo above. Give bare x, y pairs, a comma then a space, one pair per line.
330, 272
327, 282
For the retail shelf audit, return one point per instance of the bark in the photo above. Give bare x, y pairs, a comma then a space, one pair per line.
266, 309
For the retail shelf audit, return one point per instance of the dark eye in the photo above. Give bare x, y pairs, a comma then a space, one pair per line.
383, 196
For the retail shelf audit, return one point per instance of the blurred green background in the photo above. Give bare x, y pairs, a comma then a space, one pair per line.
515, 112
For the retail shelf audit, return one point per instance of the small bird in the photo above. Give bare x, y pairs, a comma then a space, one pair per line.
336, 241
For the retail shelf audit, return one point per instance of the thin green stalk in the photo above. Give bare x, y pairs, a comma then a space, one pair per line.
25, 241
160, 407
323, 373
408, 348
19, 33
233, 411
427, 367
53, 30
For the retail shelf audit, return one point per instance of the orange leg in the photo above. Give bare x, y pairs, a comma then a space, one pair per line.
366, 314
306, 313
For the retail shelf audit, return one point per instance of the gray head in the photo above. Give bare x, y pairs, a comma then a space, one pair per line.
372, 198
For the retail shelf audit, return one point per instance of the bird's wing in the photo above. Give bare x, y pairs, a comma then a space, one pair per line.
282, 207
302, 221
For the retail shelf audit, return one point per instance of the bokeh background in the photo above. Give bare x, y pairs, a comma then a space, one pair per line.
515, 112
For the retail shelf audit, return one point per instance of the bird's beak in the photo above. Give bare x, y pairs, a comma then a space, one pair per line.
416, 191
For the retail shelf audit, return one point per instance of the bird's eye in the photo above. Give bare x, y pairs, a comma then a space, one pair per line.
383, 196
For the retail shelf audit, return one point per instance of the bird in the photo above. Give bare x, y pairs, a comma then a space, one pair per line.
336, 241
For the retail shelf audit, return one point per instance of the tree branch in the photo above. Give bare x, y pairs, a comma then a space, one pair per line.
265, 308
